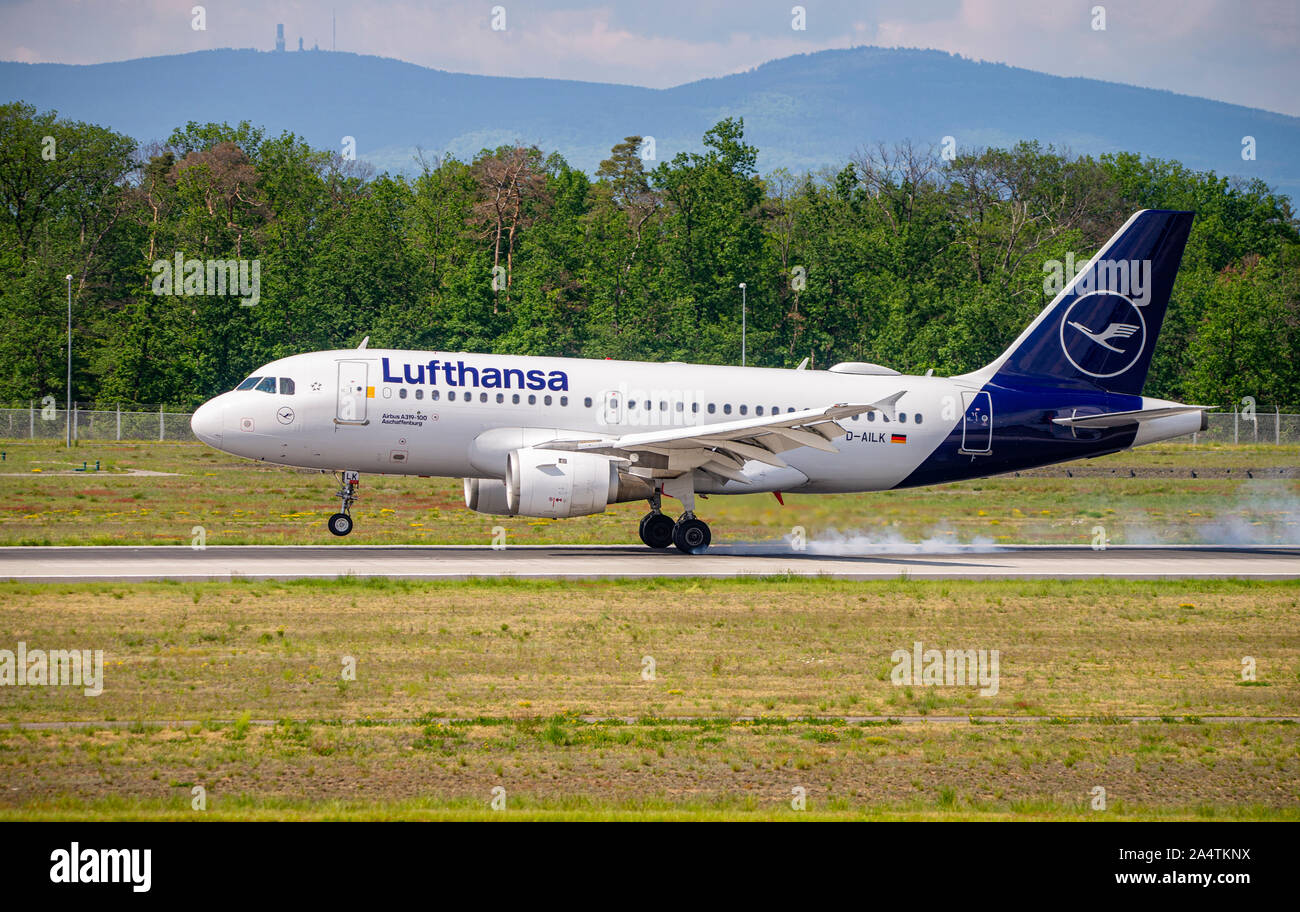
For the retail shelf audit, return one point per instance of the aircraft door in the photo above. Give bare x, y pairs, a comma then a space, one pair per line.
354, 392
611, 408
977, 423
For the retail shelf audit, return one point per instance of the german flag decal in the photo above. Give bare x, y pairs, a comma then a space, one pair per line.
898, 438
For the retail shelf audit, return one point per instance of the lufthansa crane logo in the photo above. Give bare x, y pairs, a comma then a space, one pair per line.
1103, 333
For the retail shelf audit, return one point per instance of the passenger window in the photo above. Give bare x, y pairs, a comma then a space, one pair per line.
419, 393
248, 384
695, 407
435, 395
546, 400
388, 392
758, 410
726, 409
917, 418
744, 410
532, 400
482, 397
401, 393
663, 406
647, 405
515, 399
451, 395
501, 397
564, 400
631, 405
712, 408
586, 402
681, 406
871, 416
902, 417
286, 386
267, 385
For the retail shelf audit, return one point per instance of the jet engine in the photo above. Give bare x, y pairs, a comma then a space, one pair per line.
487, 495
557, 483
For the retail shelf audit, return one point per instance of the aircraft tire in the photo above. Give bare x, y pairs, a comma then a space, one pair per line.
340, 524
691, 536
657, 530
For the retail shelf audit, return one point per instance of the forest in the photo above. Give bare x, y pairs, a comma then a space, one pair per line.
901, 256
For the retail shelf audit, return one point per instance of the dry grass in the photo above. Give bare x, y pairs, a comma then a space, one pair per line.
561, 768
465, 686
720, 648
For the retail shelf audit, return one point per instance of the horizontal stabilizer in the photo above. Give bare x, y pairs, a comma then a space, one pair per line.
1118, 419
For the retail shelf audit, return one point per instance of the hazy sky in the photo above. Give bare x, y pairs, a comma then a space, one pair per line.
1232, 50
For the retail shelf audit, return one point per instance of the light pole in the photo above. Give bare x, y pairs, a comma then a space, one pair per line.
742, 324
68, 391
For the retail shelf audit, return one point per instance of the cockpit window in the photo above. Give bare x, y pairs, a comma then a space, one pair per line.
286, 386
267, 385
248, 384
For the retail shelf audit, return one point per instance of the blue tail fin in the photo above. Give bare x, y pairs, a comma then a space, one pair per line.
1100, 331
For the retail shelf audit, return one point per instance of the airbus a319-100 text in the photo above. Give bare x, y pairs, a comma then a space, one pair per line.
563, 437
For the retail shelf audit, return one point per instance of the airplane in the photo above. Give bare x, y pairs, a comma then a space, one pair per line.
565, 437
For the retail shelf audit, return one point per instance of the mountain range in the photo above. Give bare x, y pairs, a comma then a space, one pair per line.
802, 112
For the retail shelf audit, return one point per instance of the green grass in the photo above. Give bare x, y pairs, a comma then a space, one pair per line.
236, 501
244, 808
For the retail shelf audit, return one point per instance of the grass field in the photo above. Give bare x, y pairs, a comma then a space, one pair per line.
1144, 496
759, 687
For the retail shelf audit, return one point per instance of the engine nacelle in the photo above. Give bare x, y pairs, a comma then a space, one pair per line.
557, 483
487, 495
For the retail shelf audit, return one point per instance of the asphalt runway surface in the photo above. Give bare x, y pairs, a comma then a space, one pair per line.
224, 562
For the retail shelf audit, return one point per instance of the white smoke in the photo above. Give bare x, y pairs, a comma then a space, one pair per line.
1264, 512
885, 540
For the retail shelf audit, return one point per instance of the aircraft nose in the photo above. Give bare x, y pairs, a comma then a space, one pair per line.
206, 423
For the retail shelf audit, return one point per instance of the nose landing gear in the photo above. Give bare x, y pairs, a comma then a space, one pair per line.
341, 523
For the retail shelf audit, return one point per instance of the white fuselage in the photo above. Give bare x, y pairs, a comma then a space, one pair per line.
386, 411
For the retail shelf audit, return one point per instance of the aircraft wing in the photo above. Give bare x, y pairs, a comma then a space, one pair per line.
1116, 419
722, 449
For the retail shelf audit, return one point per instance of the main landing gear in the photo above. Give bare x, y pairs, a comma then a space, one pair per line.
657, 529
341, 523
689, 534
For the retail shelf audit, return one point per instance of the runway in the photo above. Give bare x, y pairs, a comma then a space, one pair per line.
225, 562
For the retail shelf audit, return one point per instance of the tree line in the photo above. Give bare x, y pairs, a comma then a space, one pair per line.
900, 257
